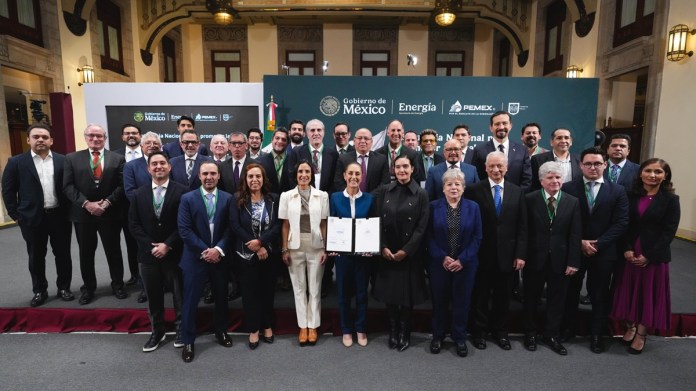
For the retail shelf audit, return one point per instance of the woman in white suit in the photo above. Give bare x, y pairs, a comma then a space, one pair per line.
304, 211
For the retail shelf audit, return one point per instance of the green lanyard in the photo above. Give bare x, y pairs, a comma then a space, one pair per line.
157, 205
210, 209
92, 165
279, 167
558, 200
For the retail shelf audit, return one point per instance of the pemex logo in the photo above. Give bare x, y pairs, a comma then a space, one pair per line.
138, 116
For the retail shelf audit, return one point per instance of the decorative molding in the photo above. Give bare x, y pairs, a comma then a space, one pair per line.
375, 34
522, 58
234, 33
300, 34
450, 35
4, 50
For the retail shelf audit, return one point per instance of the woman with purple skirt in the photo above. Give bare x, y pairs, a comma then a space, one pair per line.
642, 296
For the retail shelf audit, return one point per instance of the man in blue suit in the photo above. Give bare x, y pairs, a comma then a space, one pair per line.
620, 170
204, 229
519, 167
173, 149
453, 156
604, 214
32, 189
185, 167
135, 172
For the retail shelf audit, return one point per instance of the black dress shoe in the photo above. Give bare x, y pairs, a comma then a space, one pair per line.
120, 293
86, 297
65, 295
142, 297
479, 342
504, 343
132, 280
462, 350
156, 338
530, 342
188, 353
178, 343
38, 299
435, 345
567, 335
596, 344
223, 339
269, 340
555, 345
585, 300
253, 345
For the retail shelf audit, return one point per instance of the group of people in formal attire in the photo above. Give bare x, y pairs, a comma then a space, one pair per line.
460, 228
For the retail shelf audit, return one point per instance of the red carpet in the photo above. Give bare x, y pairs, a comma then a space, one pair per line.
65, 320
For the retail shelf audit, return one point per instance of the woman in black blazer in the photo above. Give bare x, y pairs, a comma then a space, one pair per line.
256, 228
642, 296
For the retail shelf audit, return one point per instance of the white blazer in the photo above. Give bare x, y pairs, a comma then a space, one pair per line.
290, 208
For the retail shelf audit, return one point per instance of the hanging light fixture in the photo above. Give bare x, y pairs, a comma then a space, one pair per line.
444, 15
676, 43
222, 11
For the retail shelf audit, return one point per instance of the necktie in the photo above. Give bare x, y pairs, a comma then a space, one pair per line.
590, 194
501, 148
158, 200
315, 160
453, 166
497, 199
341, 151
96, 165
236, 173
210, 206
552, 207
393, 158
189, 169
363, 168
278, 166
428, 163
614, 175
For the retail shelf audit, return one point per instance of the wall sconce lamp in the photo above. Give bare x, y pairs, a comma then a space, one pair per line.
411, 60
573, 72
325, 66
285, 68
444, 13
87, 73
222, 11
676, 43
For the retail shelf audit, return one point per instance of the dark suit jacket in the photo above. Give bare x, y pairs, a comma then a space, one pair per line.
277, 187
437, 159
261, 154
242, 232
656, 228
79, 185
504, 236
519, 168
22, 191
607, 221
627, 175
469, 232
328, 166
173, 149
417, 175
147, 228
178, 173
195, 231
433, 185
469, 156
135, 175
538, 160
227, 174
558, 242
377, 170
349, 148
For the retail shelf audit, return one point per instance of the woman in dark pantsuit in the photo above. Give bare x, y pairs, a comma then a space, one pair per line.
399, 281
255, 229
454, 237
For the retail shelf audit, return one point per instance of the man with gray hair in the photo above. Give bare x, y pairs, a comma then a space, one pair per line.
555, 232
231, 169
219, 148
323, 159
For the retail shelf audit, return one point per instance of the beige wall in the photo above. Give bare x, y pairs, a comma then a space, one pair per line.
338, 49
675, 138
413, 39
263, 51
192, 45
583, 51
143, 73
528, 69
483, 47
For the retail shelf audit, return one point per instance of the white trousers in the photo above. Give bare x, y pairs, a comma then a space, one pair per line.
306, 271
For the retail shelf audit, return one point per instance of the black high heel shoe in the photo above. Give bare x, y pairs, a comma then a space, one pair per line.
632, 328
633, 350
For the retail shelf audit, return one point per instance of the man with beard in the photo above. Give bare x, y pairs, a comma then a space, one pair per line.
275, 162
174, 149
296, 133
620, 169
255, 139
219, 148
395, 134
519, 167
531, 135
462, 134
453, 156
185, 167
561, 141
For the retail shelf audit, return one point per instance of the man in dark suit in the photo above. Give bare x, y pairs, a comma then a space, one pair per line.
219, 148
275, 162
428, 156
323, 159
255, 139
604, 211
93, 185
620, 169
394, 147
341, 136
174, 148
153, 222
519, 168
135, 172
204, 229
32, 186
185, 167
461, 133
411, 139
232, 168
553, 256
453, 153
376, 168
131, 136
561, 141
502, 253
296, 134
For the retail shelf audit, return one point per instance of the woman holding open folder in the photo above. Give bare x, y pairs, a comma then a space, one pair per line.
403, 209
352, 270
